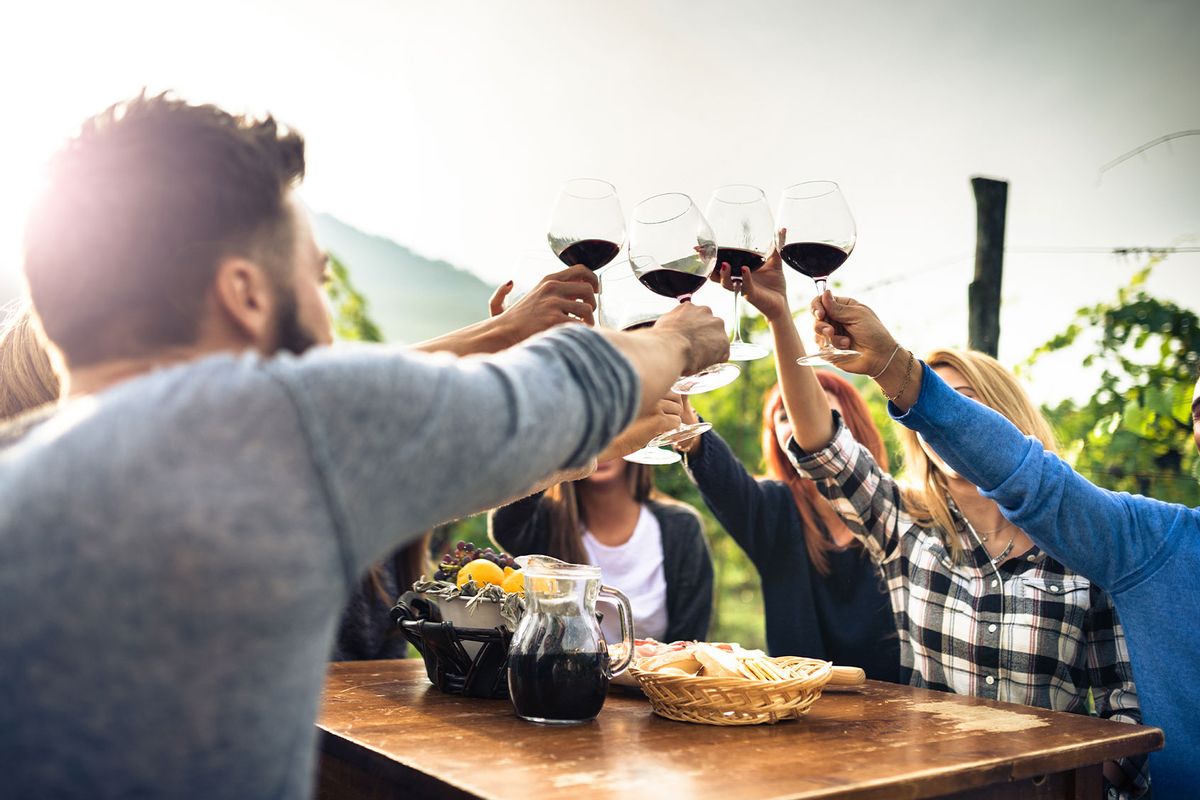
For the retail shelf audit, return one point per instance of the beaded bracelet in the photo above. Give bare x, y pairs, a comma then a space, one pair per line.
907, 377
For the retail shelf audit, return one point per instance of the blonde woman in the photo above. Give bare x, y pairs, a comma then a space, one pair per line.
980, 610
1145, 552
27, 376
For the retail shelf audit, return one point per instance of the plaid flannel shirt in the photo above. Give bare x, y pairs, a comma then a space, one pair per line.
1026, 631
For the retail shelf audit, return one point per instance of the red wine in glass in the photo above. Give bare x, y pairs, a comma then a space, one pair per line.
672, 283
814, 259
738, 259
591, 253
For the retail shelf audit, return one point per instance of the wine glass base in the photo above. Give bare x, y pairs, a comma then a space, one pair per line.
706, 380
745, 351
654, 456
826, 355
680, 434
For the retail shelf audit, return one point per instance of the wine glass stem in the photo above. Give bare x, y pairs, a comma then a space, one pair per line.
827, 344
737, 311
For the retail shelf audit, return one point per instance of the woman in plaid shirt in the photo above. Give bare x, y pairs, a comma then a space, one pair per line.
979, 609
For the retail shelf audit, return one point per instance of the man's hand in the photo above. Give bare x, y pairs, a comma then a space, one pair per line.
664, 418
706, 342
849, 324
565, 296
765, 288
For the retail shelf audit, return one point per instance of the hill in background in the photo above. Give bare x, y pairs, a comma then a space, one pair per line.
410, 297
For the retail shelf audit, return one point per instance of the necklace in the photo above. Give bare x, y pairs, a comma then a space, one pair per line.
1003, 554
985, 535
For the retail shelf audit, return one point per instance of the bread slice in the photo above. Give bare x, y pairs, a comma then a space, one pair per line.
682, 660
717, 663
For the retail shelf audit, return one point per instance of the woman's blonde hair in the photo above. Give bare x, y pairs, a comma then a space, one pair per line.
926, 493
27, 375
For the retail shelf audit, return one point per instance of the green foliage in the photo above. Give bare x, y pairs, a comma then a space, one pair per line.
351, 320
1134, 434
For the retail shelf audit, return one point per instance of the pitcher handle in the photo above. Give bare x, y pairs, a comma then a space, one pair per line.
625, 613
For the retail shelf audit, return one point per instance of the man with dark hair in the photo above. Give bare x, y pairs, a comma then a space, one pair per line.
150, 196
176, 543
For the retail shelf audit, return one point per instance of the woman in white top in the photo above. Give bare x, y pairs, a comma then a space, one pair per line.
650, 548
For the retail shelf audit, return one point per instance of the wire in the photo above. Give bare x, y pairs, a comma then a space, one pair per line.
1153, 143
1116, 251
1028, 250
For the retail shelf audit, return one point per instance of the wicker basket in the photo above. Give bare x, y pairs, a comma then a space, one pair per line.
458, 660
737, 701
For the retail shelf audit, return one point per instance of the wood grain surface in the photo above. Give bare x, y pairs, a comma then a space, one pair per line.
386, 732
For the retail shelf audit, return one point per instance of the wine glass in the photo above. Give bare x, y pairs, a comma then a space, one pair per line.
745, 233
587, 226
817, 236
626, 306
679, 251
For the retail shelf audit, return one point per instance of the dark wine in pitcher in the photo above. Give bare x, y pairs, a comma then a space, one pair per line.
814, 259
592, 253
560, 687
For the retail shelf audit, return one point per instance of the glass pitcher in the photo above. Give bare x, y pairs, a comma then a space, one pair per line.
558, 666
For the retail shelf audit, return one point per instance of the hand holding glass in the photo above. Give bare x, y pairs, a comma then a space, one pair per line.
817, 235
626, 305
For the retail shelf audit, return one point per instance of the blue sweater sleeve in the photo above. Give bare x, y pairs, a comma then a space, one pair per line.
1115, 539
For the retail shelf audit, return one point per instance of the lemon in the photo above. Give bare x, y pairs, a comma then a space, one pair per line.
514, 582
481, 571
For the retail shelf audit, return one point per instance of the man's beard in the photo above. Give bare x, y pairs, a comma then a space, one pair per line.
290, 335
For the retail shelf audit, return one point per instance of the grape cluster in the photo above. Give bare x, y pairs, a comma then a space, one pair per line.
463, 554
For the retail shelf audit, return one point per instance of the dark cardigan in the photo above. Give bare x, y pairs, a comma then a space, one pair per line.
844, 617
367, 631
523, 527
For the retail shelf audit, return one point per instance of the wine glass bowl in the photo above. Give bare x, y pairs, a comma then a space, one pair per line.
587, 225
745, 234
671, 230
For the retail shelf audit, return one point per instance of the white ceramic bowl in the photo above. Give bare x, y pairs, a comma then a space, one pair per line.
484, 614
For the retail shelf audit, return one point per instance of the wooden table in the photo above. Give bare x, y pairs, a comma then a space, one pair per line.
386, 732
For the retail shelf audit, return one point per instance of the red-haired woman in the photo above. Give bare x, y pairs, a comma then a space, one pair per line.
823, 597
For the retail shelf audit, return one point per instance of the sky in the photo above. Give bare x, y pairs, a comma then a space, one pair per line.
450, 126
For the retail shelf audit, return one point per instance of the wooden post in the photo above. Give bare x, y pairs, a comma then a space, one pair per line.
983, 297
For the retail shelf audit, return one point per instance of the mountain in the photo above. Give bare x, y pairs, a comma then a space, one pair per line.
410, 297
